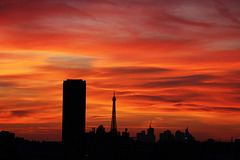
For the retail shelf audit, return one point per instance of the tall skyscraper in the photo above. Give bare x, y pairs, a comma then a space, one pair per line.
74, 110
114, 121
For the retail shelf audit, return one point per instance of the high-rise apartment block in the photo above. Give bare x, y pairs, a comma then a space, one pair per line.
74, 110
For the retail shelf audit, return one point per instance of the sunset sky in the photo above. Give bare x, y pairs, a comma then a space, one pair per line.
173, 62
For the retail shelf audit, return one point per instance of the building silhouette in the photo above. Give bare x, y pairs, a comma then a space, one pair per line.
149, 137
179, 136
74, 110
114, 121
188, 136
141, 136
125, 134
6, 136
166, 136
101, 131
150, 134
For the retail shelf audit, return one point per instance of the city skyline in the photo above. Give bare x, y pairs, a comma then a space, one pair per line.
175, 63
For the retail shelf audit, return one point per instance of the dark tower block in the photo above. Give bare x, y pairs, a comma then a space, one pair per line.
114, 121
74, 111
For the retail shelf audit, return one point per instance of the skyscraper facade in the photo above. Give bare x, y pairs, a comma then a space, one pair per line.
74, 110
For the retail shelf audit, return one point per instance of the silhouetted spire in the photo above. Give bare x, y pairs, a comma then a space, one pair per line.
114, 121
114, 98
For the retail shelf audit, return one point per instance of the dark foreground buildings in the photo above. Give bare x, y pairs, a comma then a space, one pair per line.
107, 147
74, 110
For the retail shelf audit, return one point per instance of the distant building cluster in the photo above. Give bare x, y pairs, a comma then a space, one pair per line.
167, 136
101, 132
149, 137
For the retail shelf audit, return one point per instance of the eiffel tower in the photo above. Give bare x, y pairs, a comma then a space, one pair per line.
114, 121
